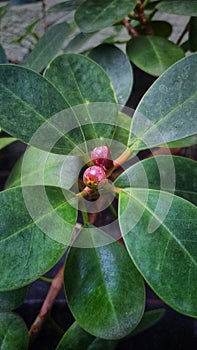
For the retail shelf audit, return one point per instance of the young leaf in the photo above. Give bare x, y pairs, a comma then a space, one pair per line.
183, 7
5, 141
118, 68
75, 338
157, 173
91, 16
11, 299
161, 238
38, 167
149, 319
22, 113
13, 332
36, 225
3, 58
158, 53
166, 113
110, 305
48, 46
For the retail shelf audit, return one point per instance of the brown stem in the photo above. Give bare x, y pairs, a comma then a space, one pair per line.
183, 33
129, 27
142, 18
45, 310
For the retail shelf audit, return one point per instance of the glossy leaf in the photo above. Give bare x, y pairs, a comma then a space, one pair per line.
13, 332
26, 251
39, 167
68, 5
91, 16
11, 299
149, 319
161, 238
3, 58
193, 34
166, 113
5, 141
183, 7
75, 338
21, 112
48, 46
160, 28
84, 83
118, 68
83, 42
158, 53
168, 173
185, 142
95, 302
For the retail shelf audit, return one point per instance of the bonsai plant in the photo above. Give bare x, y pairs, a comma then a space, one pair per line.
81, 143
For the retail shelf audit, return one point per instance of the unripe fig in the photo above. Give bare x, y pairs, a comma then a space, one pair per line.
101, 156
93, 176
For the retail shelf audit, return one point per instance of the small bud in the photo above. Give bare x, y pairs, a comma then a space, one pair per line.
93, 176
101, 156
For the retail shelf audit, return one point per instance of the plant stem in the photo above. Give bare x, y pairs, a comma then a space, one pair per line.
84, 214
113, 210
129, 27
46, 279
122, 158
185, 30
45, 310
142, 18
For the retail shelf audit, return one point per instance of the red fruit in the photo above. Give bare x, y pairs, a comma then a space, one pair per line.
101, 156
93, 176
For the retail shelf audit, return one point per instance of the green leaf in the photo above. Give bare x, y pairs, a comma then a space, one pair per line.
158, 53
88, 86
83, 42
183, 7
149, 319
160, 28
193, 34
161, 238
5, 141
68, 5
36, 225
27, 101
38, 167
11, 299
110, 305
13, 332
91, 16
166, 113
185, 142
118, 68
48, 46
167, 173
75, 338
3, 58
100, 344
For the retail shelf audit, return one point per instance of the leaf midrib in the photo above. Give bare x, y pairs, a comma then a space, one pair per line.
33, 223
160, 120
164, 226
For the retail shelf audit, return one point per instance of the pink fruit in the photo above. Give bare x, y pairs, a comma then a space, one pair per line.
93, 176
101, 156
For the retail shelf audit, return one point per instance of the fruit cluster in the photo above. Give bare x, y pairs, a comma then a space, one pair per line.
94, 175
